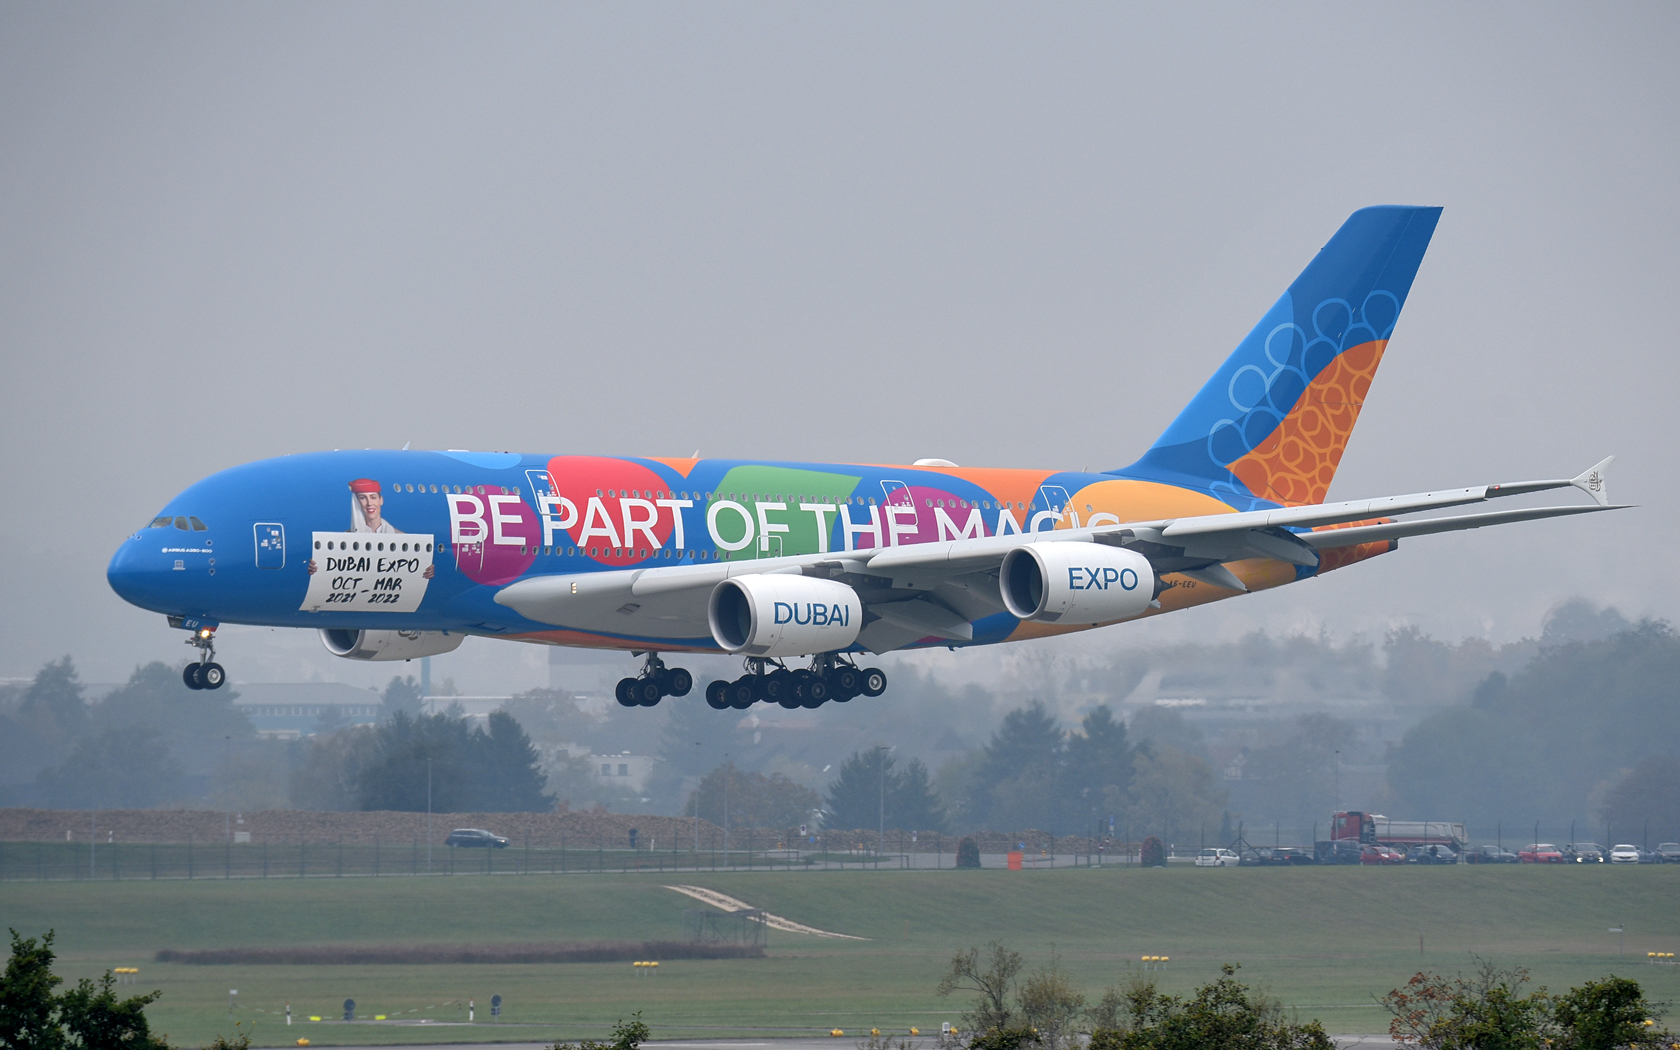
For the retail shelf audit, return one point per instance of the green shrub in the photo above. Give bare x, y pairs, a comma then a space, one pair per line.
968, 853
626, 1035
1153, 854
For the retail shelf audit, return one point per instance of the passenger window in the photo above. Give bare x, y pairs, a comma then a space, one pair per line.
160, 523
181, 523
198, 526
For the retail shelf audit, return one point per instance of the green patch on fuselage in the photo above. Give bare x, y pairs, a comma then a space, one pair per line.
777, 531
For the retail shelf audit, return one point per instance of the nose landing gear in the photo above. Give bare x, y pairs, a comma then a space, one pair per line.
207, 673
830, 677
654, 684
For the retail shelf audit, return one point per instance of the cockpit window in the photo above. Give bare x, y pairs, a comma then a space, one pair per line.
160, 523
198, 526
181, 523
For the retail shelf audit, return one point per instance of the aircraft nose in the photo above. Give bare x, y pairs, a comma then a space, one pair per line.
139, 574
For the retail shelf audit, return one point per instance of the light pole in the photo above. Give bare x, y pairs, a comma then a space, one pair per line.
881, 833
726, 771
701, 779
1338, 780
227, 771
428, 814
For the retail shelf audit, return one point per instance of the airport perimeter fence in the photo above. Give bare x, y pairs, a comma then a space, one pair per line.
748, 849
686, 846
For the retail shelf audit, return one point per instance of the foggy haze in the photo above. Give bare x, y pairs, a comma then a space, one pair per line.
1006, 236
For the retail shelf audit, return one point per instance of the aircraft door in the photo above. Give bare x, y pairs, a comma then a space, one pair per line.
1056, 498
270, 538
898, 494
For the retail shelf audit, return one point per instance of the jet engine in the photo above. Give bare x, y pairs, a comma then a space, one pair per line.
776, 615
1071, 582
389, 645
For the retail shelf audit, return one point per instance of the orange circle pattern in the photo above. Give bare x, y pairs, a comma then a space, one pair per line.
1296, 462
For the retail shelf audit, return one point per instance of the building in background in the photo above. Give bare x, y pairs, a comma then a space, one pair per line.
289, 710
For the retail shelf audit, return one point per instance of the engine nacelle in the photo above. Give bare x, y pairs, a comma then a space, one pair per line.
775, 615
1071, 582
389, 645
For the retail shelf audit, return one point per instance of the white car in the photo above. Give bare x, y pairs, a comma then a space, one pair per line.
1624, 854
1216, 858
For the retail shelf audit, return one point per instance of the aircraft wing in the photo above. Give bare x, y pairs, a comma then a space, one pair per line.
938, 589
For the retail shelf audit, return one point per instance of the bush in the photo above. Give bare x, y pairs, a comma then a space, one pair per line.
1153, 854
1488, 1009
1004, 1039
626, 1035
1222, 1014
968, 853
89, 1016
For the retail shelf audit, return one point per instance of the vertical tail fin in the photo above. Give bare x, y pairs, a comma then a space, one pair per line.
1272, 423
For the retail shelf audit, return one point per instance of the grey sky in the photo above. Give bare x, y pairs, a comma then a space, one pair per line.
1005, 235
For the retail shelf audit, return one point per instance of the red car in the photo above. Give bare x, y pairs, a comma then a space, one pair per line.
1540, 853
1381, 855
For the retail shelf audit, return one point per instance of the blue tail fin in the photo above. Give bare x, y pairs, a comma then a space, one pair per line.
1271, 424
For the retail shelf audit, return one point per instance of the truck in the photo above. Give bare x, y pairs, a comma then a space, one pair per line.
1374, 829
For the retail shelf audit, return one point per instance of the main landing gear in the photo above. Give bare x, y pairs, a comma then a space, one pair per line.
207, 673
654, 684
770, 682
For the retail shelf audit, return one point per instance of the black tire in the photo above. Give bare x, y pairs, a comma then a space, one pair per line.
778, 686
801, 679
212, 676
742, 692
648, 692
817, 690
189, 677
715, 698
678, 681
624, 691
845, 681
874, 681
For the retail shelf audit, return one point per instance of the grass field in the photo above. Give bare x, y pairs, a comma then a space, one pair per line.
1325, 940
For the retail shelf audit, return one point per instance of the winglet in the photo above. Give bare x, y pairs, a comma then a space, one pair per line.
1593, 481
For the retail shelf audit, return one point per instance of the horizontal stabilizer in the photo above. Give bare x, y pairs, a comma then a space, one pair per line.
1428, 526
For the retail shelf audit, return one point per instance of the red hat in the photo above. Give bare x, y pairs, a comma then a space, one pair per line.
364, 485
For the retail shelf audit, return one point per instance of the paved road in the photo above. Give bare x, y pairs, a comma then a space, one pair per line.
1366, 1042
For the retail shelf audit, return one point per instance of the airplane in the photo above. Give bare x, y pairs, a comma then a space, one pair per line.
393, 555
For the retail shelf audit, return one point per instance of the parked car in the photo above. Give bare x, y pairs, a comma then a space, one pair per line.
1540, 853
1216, 858
1649, 856
1381, 855
1432, 855
1669, 852
1625, 854
1339, 852
1489, 855
1584, 853
465, 838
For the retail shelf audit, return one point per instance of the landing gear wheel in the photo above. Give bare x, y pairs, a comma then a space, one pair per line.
678, 681
189, 675
816, 691
625, 692
778, 686
874, 681
845, 681
211, 675
647, 691
715, 698
801, 681
742, 692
